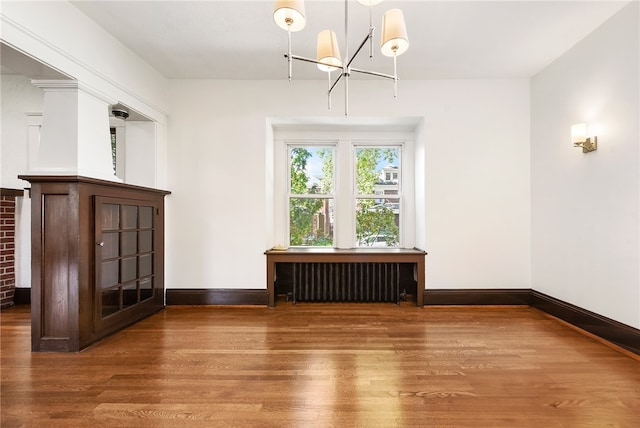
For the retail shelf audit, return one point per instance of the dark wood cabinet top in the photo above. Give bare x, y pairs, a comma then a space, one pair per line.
315, 251
87, 180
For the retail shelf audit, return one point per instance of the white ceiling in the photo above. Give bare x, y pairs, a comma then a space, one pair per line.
448, 39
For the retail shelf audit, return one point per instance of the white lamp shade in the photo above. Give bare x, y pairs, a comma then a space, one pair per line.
394, 33
369, 2
328, 51
578, 133
289, 14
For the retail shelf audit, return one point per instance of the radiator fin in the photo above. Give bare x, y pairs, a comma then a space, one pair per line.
346, 282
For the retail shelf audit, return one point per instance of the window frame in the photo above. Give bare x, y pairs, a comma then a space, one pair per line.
357, 195
345, 142
290, 194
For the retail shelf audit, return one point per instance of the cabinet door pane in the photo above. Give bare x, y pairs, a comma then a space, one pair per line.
145, 243
128, 269
129, 294
111, 247
109, 274
110, 216
129, 216
110, 301
146, 265
146, 288
146, 217
129, 243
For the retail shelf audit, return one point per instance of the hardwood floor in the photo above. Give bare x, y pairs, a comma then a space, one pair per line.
323, 365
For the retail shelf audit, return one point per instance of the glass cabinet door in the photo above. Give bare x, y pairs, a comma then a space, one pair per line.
124, 258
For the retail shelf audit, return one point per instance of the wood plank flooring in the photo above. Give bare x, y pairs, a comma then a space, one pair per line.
323, 365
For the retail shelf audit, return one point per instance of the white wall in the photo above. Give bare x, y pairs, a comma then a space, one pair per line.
141, 157
586, 207
478, 185
477, 175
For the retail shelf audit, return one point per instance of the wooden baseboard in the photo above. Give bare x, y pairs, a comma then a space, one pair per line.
482, 297
612, 331
22, 296
216, 296
190, 296
605, 328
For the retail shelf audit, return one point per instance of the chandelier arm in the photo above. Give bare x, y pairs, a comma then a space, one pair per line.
303, 58
370, 31
367, 38
346, 94
290, 66
395, 76
329, 91
336, 82
375, 73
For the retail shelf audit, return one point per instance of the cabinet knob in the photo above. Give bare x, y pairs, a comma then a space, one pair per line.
100, 244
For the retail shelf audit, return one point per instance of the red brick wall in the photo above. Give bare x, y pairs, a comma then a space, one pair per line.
7, 250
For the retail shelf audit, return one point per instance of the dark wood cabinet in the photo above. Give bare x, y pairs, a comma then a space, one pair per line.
97, 259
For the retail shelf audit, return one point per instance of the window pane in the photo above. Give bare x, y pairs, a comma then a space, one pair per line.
311, 170
377, 170
113, 148
377, 222
311, 222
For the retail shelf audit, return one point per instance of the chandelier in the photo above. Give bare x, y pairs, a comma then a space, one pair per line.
290, 16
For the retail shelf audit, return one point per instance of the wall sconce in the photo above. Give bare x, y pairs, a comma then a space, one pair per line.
579, 138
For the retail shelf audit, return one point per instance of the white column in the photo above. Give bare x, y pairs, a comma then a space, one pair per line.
74, 138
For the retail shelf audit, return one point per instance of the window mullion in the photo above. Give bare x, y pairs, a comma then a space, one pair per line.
344, 211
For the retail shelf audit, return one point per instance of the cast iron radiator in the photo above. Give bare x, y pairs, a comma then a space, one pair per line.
346, 282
